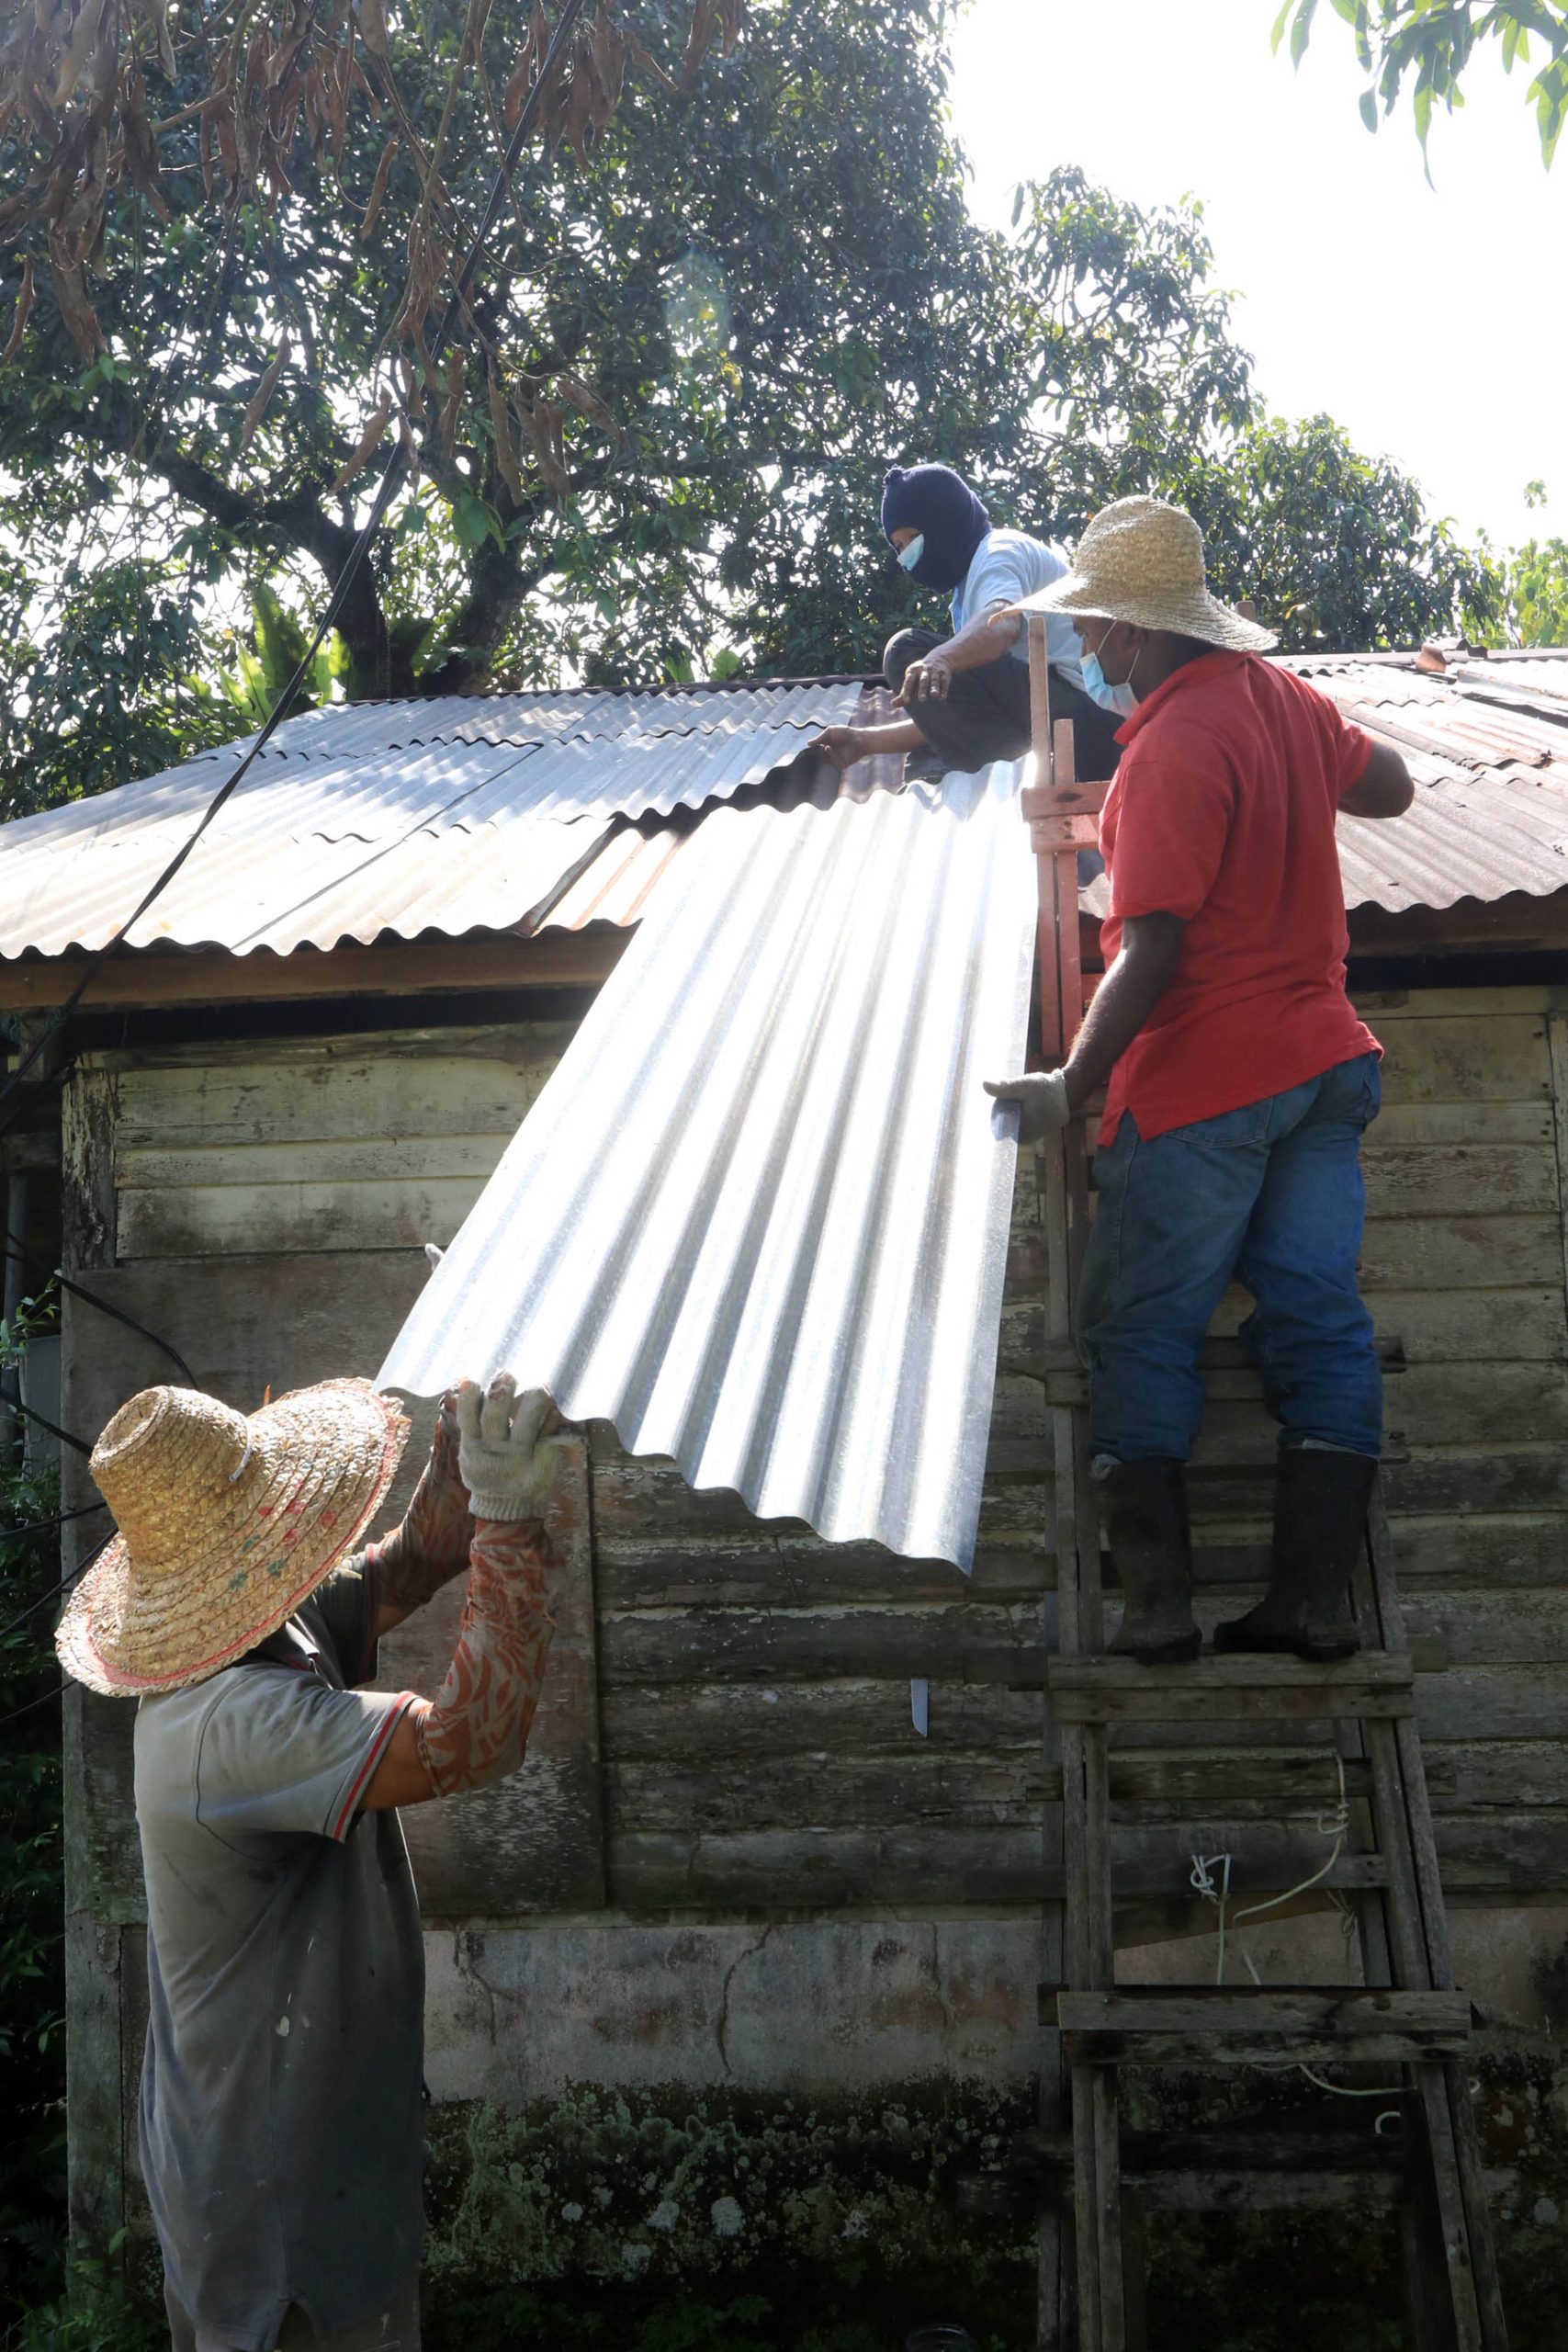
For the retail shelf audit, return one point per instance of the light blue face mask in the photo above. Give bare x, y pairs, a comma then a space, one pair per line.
1098, 688
909, 557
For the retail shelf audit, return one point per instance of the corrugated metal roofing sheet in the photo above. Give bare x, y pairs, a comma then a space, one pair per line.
350, 827
1487, 744
758, 1218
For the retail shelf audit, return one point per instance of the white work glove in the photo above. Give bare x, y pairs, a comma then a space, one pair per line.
506, 1469
1041, 1099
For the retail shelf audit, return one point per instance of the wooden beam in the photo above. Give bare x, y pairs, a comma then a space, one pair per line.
403, 967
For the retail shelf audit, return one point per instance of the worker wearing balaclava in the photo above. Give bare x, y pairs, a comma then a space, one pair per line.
967, 694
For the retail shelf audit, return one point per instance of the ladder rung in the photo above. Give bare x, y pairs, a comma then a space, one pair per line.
1228, 1690
1200, 2026
1262, 2192
1216, 1355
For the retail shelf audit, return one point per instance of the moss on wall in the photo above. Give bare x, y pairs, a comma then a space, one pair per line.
828, 2214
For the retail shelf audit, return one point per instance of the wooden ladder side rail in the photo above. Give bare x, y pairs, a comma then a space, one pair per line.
1419, 1923
1059, 811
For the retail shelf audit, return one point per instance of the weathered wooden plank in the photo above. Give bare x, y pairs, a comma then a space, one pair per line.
1458, 1123
1502, 1702
372, 1158
1515, 1548
345, 1089
1109, 1688
1343, 2015
967, 1642
805, 1866
294, 1220
731, 1722
1460, 1326
1460, 1252
1459, 1180
88, 1207
1488, 1628
1475, 1775
723, 1573
1525, 1477
1474, 1404
1493, 1057
1508, 1851
1382, 1008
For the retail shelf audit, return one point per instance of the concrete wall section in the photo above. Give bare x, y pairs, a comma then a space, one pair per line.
812, 2008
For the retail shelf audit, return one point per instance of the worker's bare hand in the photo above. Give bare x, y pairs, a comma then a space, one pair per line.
927, 680
843, 745
1044, 1105
508, 1463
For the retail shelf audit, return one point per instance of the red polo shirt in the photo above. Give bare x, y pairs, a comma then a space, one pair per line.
1222, 813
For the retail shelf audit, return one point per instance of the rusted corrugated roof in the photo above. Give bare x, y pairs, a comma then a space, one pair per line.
1487, 745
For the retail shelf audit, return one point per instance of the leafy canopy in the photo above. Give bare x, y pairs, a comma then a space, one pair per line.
1426, 46
734, 290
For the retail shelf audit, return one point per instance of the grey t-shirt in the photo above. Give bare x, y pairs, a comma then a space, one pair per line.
281, 2090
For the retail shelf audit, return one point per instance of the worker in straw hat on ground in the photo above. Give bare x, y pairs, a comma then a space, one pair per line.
1239, 1080
281, 2091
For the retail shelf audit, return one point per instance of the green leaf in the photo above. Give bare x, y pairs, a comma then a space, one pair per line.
1300, 32
1280, 21
1369, 105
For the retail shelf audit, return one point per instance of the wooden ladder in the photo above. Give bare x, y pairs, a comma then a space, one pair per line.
1406, 2014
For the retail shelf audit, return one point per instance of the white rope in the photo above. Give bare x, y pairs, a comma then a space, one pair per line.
1337, 1825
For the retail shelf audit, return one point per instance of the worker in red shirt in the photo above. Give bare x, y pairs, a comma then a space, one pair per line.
1239, 1079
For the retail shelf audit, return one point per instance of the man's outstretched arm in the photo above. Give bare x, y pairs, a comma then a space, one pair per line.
430, 1547
477, 1730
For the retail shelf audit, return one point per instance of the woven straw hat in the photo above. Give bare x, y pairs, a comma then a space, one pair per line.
1141, 560
226, 1525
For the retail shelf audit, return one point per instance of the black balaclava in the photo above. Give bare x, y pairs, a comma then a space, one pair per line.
935, 499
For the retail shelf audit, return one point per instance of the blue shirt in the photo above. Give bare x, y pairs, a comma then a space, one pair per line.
1007, 566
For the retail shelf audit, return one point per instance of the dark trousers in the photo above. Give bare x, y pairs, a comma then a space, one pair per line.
985, 714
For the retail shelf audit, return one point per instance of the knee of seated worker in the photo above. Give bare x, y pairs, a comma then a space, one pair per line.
906, 646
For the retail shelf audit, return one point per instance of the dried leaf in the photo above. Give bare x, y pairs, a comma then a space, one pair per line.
71, 293
255, 408
84, 38
451, 408
505, 449
368, 443
410, 448
377, 190
650, 65
373, 28
19, 317
588, 404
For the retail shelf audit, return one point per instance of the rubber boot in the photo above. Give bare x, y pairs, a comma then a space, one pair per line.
1145, 1507
1320, 1517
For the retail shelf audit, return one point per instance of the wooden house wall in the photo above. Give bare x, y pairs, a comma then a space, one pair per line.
732, 1732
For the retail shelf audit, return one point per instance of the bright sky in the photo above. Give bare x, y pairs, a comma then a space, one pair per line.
1431, 323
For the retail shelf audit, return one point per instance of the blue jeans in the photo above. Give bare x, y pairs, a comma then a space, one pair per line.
1273, 1196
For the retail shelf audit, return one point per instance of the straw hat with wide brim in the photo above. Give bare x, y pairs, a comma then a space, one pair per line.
226, 1524
1142, 561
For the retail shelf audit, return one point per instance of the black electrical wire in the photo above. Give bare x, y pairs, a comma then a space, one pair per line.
43, 1526
391, 483
33, 1705
91, 1298
28, 1413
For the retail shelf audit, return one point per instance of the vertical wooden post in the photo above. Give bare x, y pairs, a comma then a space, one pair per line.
1060, 814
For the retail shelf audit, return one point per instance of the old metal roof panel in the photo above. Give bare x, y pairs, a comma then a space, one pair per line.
758, 1219
397, 817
